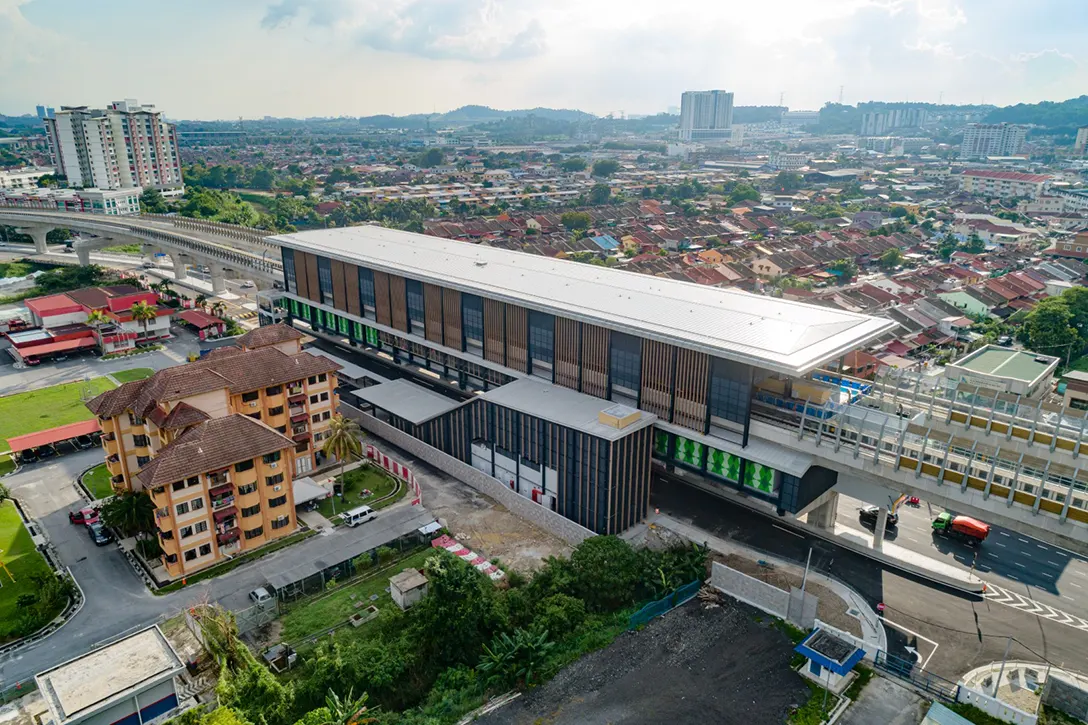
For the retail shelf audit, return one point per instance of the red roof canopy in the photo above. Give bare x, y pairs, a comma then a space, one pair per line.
200, 319
53, 435
52, 347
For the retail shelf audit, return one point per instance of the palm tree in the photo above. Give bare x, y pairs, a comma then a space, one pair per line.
131, 512
219, 308
345, 711
342, 441
201, 301
98, 319
143, 313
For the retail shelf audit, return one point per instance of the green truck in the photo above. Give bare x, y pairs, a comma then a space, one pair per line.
964, 528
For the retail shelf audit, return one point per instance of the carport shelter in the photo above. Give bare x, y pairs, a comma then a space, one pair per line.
306, 490
51, 436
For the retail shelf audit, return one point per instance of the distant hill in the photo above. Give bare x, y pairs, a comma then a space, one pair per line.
1054, 118
471, 115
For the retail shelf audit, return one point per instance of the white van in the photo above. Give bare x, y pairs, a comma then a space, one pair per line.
358, 516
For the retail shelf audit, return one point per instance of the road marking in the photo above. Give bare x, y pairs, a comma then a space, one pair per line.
1053, 563
999, 595
1013, 577
901, 628
1000, 544
1074, 584
1023, 541
1021, 565
1044, 548
1003, 533
792, 533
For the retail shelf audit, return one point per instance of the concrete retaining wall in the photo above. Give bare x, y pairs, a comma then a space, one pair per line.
995, 707
751, 591
1066, 695
546, 519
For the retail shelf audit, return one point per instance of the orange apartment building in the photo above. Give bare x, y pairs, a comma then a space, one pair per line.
217, 443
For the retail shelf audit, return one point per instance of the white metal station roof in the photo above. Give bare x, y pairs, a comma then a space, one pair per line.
781, 335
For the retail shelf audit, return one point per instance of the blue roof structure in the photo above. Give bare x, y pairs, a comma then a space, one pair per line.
605, 242
827, 650
940, 715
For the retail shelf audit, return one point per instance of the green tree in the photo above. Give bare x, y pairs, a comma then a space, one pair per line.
803, 227
891, 258
143, 313
152, 202
263, 178
847, 269
605, 167
429, 159
742, 193
515, 660
974, 244
1049, 329
606, 571
131, 512
787, 181
459, 614
342, 441
573, 164
576, 220
948, 247
599, 194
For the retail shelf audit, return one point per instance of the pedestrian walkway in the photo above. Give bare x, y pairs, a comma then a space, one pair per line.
871, 628
315, 520
913, 558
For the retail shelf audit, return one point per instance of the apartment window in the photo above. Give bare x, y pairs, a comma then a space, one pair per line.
140, 441
193, 481
314, 399
137, 420
248, 488
414, 290
190, 555
315, 418
326, 415
472, 323
541, 344
274, 390
196, 504
278, 501
254, 416
322, 377
278, 410
625, 366
243, 466
280, 522
254, 533
171, 558
251, 396
182, 508
251, 510
324, 397
281, 429
366, 293
271, 457
312, 380
324, 279
200, 527
273, 480
185, 532
205, 549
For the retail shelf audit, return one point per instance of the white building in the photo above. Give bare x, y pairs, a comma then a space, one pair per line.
706, 115
800, 118
1081, 143
991, 139
89, 201
129, 681
124, 145
25, 178
783, 161
1004, 184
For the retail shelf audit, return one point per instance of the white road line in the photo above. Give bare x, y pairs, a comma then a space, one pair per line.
1000, 544
1020, 565
1074, 584
1013, 577
1003, 533
791, 533
1053, 563
1044, 548
901, 628
1023, 541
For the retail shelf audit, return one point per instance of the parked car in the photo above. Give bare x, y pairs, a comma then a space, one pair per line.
248, 284
1004, 341
262, 597
84, 516
84, 442
359, 515
99, 534
46, 451
869, 514
28, 456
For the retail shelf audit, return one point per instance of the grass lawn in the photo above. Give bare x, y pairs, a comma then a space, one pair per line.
20, 268
377, 481
21, 558
125, 249
310, 617
127, 376
6, 465
97, 481
38, 410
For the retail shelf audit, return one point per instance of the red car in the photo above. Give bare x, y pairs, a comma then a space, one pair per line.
86, 516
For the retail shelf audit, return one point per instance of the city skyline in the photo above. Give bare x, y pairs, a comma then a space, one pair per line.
301, 58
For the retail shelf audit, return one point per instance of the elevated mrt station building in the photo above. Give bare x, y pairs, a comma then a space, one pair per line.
582, 375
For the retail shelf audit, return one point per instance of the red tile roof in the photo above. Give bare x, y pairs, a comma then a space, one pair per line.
1007, 175
53, 435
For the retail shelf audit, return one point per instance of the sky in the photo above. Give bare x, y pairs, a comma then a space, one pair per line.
214, 59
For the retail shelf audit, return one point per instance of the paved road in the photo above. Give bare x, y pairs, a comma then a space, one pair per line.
117, 600
1010, 559
957, 631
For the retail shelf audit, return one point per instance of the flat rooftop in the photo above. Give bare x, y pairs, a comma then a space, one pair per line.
407, 400
100, 678
776, 334
1006, 363
564, 407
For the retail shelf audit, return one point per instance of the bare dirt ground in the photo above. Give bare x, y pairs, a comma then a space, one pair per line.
694, 665
477, 521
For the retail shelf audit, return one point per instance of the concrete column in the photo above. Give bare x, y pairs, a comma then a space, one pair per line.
38, 235
179, 267
823, 516
880, 528
84, 254
219, 280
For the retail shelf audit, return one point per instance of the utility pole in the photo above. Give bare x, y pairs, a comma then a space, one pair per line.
1001, 672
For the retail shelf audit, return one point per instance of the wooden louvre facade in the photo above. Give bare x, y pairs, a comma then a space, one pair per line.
673, 384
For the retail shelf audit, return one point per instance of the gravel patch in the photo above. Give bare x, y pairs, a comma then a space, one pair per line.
724, 664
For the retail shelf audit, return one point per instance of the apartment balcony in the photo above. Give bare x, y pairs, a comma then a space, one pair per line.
117, 480
218, 504
110, 437
231, 547
300, 417
113, 458
294, 398
219, 478
296, 410
225, 518
228, 536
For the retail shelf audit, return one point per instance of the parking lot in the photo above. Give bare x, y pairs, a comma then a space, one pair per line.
693, 665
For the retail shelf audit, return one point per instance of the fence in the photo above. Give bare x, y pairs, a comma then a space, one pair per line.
395, 468
670, 601
908, 670
995, 707
793, 606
